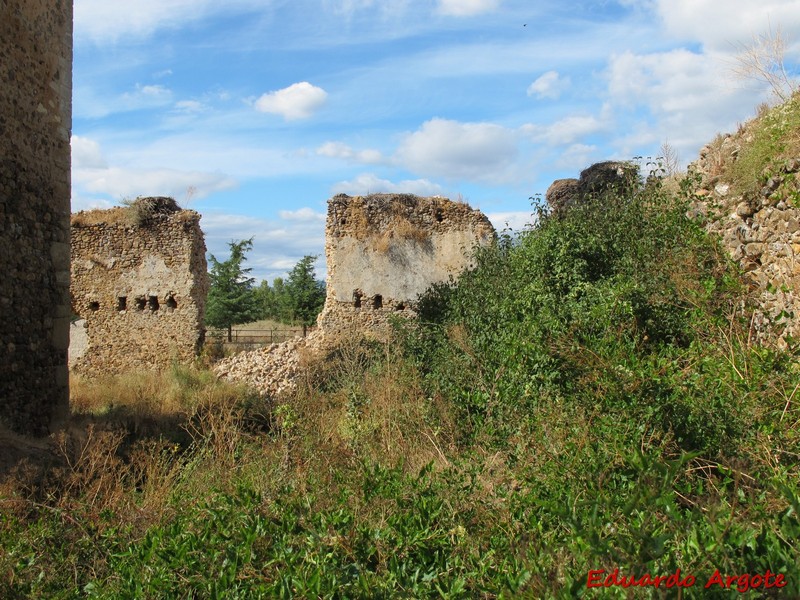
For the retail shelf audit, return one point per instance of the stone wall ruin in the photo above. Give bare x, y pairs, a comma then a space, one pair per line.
139, 279
615, 177
384, 250
35, 124
760, 230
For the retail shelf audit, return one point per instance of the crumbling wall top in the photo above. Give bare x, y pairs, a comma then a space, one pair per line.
139, 278
361, 217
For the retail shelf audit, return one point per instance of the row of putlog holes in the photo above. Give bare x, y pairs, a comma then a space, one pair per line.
141, 303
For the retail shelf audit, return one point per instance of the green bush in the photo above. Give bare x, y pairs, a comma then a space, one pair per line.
589, 399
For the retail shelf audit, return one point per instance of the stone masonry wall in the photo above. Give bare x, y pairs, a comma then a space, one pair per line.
384, 250
761, 231
35, 124
140, 287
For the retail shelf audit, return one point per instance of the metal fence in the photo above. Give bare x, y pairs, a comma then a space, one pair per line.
253, 338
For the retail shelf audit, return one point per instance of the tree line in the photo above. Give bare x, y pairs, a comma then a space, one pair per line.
234, 297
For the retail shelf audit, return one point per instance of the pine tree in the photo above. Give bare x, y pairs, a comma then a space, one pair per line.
231, 299
305, 293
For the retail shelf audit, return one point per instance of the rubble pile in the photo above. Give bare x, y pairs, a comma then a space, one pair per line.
273, 370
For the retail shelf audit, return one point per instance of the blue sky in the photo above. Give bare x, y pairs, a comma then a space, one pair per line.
255, 112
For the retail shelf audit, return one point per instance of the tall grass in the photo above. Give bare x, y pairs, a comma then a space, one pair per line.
585, 400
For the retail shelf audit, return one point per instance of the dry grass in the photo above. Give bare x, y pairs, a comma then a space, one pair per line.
135, 443
363, 402
133, 213
139, 393
398, 231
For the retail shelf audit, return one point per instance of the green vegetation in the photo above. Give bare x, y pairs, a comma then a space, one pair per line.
230, 297
774, 141
233, 298
588, 398
296, 301
306, 295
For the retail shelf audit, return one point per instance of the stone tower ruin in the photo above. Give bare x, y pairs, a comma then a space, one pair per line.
139, 279
384, 250
35, 124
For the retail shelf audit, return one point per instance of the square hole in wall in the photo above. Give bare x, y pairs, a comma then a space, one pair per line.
141, 302
152, 303
94, 305
122, 303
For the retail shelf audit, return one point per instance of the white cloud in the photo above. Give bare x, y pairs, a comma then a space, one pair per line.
550, 85
515, 220
298, 101
368, 183
472, 151
278, 244
566, 131
343, 151
81, 202
120, 183
104, 22
678, 79
190, 106
721, 27
302, 214
577, 157
467, 8
86, 154
686, 93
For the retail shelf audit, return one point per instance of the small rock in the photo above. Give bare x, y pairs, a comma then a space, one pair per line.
744, 210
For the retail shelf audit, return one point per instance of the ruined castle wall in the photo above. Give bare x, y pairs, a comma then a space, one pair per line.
141, 289
35, 123
384, 250
761, 231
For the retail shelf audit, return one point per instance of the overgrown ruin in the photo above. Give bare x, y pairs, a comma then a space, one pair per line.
35, 127
615, 177
760, 230
382, 252
139, 280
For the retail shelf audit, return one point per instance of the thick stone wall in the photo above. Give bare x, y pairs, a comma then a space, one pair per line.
760, 230
140, 281
35, 123
384, 250
613, 177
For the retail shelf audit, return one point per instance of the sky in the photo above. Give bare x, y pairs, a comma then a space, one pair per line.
255, 112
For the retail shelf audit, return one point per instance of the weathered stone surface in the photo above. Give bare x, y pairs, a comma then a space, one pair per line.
759, 232
35, 122
382, 252
139, 278
599, 179
561, 193
273, 370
